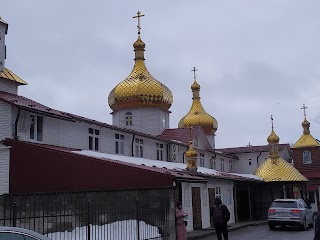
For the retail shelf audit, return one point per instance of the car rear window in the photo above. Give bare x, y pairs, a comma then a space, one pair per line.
284, 204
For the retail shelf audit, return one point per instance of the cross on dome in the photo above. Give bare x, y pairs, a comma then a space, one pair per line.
138, 16
271, 121
194, 72
304, 109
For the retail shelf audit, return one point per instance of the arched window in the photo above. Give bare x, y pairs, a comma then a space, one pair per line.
306, 157
128, 119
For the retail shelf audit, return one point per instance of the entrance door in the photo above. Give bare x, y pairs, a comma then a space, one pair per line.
196, 207
212, 194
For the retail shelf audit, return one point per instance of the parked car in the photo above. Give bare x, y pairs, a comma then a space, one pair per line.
290, 212
14, 233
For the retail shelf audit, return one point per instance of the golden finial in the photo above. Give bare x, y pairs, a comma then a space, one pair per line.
194, 72
138, 16
304, 110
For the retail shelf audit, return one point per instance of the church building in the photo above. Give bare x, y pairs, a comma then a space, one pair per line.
140, 145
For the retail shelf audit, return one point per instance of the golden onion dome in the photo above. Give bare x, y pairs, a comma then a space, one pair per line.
273, 138
140, 88
197, 116
190, 153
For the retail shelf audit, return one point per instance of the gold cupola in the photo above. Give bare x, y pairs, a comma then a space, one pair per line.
276, 169
197, 116
306, 140
191, 155
140, 88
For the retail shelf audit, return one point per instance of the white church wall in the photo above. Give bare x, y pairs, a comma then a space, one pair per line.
187, 203
73, 135
8, 86
247, 162
148, 120
4, 169
226, 189
5, 120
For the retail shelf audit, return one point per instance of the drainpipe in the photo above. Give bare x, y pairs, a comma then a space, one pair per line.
132, 145
16, 124
258, 159
213, 157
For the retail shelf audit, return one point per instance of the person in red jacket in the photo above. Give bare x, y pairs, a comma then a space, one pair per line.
181, 230
221, 216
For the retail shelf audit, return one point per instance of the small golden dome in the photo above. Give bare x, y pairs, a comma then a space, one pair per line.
190, 153
197, 116
273, 138
140, 88
139, 44
305, 123
195, 86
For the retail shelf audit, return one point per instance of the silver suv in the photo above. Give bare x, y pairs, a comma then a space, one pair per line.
292, 212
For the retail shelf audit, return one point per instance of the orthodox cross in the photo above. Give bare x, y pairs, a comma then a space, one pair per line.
271, 121
138, 16
304, 109
194, 72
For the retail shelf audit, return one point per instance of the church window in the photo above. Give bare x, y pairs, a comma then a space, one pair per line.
159, 151
230, 166
307, 157
128, 119
36, 127
213, 164
250, 161
139, 147
222, 164
119, 143
94, 139
218, 192
201, 158
195, 143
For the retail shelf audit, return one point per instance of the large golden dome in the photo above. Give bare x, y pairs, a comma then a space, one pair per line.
197, 116
140, 88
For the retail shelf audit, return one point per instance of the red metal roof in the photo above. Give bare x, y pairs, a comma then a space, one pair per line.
179, 134
250, 149
31, 105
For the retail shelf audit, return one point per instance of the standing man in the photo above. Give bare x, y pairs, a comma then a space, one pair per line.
221, 216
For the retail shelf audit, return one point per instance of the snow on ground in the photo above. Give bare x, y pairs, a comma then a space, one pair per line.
114, 231
159, 164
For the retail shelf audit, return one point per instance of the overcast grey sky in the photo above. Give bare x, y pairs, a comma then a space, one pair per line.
255, 58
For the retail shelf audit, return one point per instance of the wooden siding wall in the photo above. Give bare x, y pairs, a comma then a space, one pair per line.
147, 120
298, 159
8, 86
4, 169
5, 121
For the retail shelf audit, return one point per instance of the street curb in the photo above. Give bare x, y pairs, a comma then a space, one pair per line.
213, 232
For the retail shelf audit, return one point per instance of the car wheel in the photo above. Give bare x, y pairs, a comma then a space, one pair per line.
304, 225
272, 227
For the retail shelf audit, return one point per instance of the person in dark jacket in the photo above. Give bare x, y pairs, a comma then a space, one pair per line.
221, 216
317, 228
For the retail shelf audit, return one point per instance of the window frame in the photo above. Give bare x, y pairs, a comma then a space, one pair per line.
36, 129
93, 139
304, 157
159, 151
138, 142
201, 159
129, 121
119, 143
